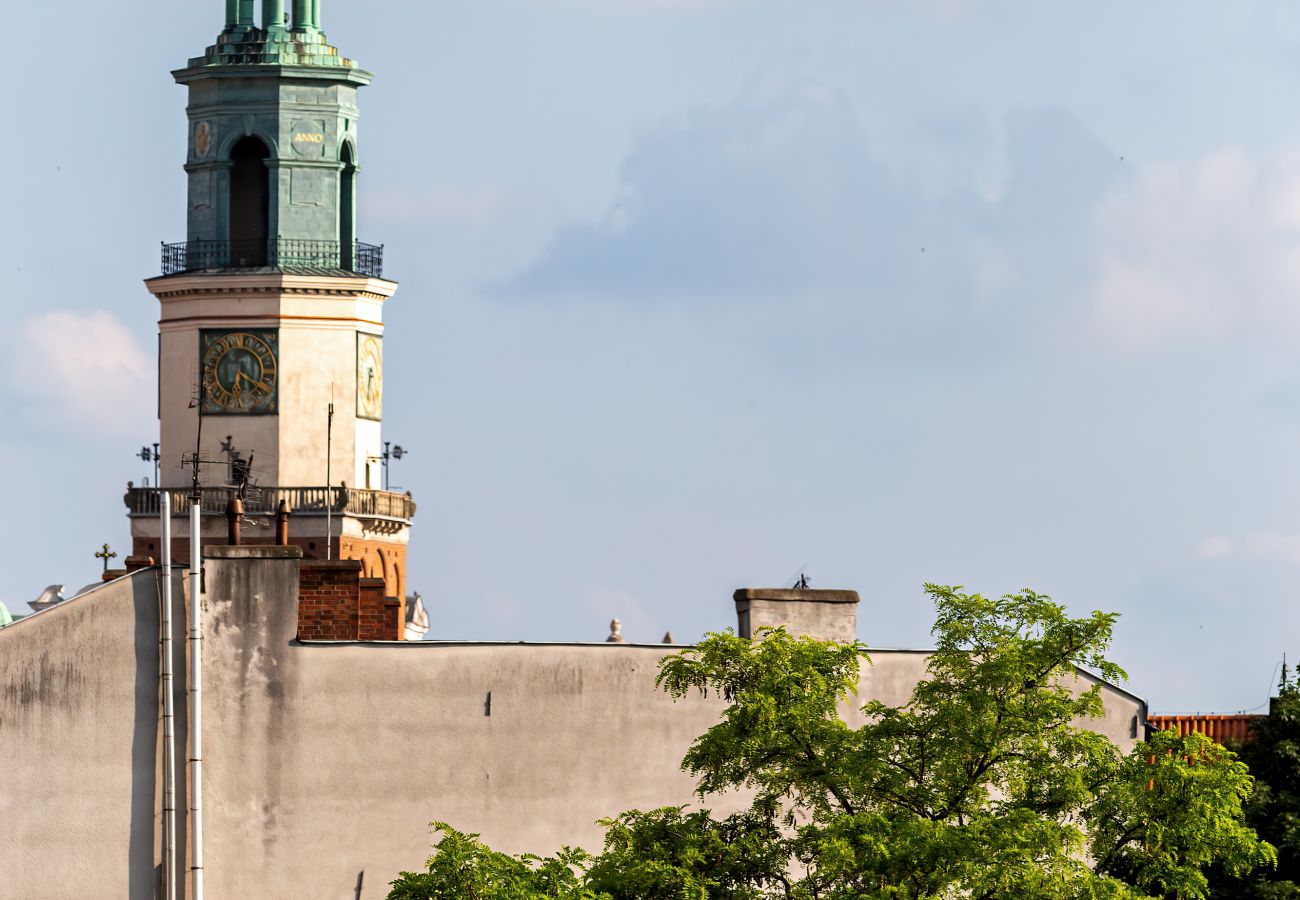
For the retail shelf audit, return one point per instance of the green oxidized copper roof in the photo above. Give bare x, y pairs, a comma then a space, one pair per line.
244, 46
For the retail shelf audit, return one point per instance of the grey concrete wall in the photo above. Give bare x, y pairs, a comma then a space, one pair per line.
324, 763
327, 761
80, 729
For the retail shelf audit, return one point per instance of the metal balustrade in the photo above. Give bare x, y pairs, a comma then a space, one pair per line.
303, 501
283, 253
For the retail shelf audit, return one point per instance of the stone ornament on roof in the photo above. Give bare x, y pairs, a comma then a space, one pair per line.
51, 596
615, 633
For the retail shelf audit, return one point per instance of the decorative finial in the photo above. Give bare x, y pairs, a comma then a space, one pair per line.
668, 638
106, 554
615, 633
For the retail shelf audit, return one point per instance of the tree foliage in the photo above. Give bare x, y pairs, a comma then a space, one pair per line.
983, 785
1274, 809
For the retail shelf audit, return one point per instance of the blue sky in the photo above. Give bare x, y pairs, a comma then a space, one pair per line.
697, 293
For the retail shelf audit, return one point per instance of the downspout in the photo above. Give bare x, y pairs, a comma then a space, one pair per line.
196, 700
169, 707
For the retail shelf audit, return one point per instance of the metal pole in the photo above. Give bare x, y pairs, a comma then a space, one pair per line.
196, 700
169, 708
329, 489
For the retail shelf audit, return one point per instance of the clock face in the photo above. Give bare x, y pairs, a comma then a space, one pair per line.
240, 372
370, 376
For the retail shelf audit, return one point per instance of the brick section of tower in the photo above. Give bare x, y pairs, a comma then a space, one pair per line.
336, 603
384, 560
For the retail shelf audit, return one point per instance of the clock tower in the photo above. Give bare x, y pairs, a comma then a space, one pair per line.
271, 329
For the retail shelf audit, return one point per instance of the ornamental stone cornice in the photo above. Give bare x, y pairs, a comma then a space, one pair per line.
166, 287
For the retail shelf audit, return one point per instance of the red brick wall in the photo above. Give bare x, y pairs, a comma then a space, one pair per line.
336, 604
329, 601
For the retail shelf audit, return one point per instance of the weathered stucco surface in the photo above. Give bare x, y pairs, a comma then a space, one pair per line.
80, 725
324, 763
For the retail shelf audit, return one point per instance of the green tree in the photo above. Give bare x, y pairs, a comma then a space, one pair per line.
1274, 809
982, 786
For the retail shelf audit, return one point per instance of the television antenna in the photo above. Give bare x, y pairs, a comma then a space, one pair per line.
799, 581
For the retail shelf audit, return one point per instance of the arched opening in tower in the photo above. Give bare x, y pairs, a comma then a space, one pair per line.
347, 208
249, 203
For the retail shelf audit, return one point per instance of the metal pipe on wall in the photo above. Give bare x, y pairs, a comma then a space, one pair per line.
196, 700
169, 707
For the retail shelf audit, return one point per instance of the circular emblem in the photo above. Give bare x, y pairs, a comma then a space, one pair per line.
239, 372
308, 138
202, 140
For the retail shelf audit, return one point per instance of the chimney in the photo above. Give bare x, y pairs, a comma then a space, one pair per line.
282, 524
825, 615
234, 512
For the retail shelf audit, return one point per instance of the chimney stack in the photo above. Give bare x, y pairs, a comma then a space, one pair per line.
825, 615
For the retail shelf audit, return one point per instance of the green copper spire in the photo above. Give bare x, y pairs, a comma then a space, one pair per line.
273, 158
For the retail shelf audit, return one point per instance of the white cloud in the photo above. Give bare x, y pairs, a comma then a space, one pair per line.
85, 372
1201, 251
1274, 547
779, 194
1260, 546
1215, 548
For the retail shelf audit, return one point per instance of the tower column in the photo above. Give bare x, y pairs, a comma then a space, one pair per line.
232, 13
315, 13
272, 14
301, 15
245, 13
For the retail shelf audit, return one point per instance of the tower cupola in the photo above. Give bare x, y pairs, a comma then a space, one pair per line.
273, 153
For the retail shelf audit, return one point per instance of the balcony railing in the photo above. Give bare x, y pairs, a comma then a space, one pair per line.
303, 501
283, 253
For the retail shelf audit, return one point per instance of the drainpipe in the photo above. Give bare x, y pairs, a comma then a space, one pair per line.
169, 708
196, 699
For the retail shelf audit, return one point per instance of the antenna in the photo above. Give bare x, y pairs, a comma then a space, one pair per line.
799, 581
152, 456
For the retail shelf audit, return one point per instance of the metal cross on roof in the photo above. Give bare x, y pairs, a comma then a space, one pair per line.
106, 554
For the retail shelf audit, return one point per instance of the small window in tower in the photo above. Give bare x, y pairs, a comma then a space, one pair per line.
249, 208
347, 207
